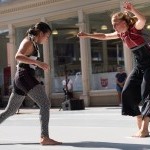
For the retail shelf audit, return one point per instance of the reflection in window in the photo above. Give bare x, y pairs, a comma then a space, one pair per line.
5, 75
66, 51
106, 55
9, 1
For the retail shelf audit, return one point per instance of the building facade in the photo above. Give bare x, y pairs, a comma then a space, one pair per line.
90, 64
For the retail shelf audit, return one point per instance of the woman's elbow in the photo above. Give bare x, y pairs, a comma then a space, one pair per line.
17, 57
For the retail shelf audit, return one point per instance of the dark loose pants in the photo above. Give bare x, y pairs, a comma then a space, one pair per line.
137, 87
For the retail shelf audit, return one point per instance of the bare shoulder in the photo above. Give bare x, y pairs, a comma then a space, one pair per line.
26, 43
26, 47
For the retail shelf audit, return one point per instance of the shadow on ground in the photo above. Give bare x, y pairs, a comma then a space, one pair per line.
95, 145
106, 145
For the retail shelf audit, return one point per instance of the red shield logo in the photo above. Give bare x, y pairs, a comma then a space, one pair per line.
104, 82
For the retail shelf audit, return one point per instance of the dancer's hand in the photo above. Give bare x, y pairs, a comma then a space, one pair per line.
82, 35
128, 6
43, 65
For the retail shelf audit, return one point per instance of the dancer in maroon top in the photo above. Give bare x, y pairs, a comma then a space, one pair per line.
128, 26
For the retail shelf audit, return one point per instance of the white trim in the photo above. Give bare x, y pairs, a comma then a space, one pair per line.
31, 11
103, 92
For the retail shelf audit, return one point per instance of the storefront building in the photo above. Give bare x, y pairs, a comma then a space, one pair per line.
90, 64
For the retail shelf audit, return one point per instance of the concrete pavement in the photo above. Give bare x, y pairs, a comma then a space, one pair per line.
95, 128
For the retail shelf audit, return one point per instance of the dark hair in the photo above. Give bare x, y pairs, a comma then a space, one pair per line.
41, 26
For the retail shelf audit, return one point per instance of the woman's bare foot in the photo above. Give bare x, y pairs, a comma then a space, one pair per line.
141, 134
143, 131
48, 141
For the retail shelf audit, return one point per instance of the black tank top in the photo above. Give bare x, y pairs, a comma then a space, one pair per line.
35, 55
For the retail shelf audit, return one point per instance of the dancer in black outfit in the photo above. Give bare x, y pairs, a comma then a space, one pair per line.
25, 82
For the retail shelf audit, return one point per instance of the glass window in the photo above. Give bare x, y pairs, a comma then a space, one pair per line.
9, 1
106, 55
66, 51
5, 76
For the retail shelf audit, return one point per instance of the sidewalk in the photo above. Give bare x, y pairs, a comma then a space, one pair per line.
96, 128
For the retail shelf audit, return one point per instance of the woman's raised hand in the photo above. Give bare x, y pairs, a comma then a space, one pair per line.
128, 6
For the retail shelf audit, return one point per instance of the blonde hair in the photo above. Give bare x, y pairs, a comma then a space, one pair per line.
130, 19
